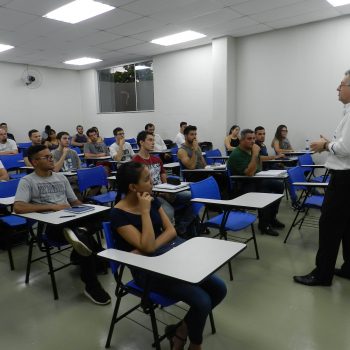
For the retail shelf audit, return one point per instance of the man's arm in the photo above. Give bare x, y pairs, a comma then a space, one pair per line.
60, 162
4, 175
27, 162
24, 207
253, 164
9, 152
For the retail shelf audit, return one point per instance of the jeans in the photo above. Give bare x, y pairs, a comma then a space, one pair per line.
201, 298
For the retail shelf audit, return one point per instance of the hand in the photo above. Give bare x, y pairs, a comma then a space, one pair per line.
280, 155
195, 145
65, 150
324, 138
121, 142
145, 200
255, 150
318, 146
57, 207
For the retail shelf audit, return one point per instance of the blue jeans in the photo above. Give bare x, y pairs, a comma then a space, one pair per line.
201, 298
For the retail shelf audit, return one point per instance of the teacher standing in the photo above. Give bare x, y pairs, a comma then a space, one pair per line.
334, 225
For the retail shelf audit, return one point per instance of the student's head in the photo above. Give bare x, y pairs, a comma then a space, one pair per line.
182, 127
3, 135
247, 139
63, 138
234, 130
150, 128
133, 177
97, 131
190, 133
344, 89
92, 134
40, 157
80, 129
145, 141
260, 134
51, 135
118, 133
47, 129
281, 132
34, 136
3, 126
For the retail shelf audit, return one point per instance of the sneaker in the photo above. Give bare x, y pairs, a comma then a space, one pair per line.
97, 295
277, 224
77, 245
268, 231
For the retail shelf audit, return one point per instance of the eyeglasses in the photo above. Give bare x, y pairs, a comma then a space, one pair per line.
48, 157
121, 134
284, 130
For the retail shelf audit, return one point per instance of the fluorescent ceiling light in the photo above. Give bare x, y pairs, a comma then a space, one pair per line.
4, 47
78, 10
178, 38
82, 61
339, 2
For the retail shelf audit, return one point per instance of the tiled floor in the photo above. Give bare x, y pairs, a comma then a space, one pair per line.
264, 309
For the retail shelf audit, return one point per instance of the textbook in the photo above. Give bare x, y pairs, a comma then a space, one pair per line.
79, 209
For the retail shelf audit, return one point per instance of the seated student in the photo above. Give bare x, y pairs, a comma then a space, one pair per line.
9, 135
141, 226
260, 141
7, 146
245, 160
280, 142
99, 138
232, 139
45, 190
180, 137
46, 132
145, 141
159, 144
51, 141
95, 148
34, 136
190, 154
79, 139
4, 176
120, 150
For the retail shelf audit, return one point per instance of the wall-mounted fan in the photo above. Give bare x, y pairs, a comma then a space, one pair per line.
31, 78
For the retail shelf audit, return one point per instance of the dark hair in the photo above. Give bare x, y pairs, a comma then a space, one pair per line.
3, 124
148, 125
245, 132
182, 123
61, 134
233, 127
258, 128
189, 128
116, 130
91, 130
128, 173
141, 136
33, 150
47, 129
31, 132
51, 131
79, 126
278, 134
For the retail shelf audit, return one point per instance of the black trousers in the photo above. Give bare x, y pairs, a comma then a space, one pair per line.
334, 226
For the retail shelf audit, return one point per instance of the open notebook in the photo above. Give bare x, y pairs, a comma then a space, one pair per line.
78, 209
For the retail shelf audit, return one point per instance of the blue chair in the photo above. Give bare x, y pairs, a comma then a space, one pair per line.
12, 162
76, 149
231, 220
133, 143
13, 227
306, 159
109, 140
303, 202
148, 301
23, 145
91, 177
213, 153
174, 153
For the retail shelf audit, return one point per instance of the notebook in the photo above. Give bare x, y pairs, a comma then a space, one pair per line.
79, 209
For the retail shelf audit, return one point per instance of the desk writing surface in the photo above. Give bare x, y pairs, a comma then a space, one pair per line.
192, 261
245, 177
98, 158
311, 184
166, 188
315, 166
54, 218
253, 200
171, 165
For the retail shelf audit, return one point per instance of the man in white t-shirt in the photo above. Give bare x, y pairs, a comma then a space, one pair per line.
180, 137
120, 150
7, 146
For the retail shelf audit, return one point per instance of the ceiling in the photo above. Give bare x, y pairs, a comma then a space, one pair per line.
122, 35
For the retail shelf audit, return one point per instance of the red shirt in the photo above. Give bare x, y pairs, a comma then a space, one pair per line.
155, 166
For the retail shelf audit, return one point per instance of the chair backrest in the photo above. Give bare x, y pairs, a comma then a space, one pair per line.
169, 143
90, 177
22, 145
133, 143
12, 161
8, 188
174, 153
295, 174
109, 140
305, 159
213, 153
206, 146
76, 149
207, 188
110, 244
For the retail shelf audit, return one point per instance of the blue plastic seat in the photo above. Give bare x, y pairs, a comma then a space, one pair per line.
91, 177
303, 202
109, 140
213, 153
149, 304
12, 162
306, 159
133, 143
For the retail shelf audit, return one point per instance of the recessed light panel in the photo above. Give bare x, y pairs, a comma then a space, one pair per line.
336, 3
82, 61
178, 38
78, 10
4, 47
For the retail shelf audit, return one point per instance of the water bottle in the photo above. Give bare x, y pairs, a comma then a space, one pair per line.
307, 144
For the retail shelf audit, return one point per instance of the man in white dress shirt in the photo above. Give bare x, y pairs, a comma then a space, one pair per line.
180, 137
7, 146
334, 221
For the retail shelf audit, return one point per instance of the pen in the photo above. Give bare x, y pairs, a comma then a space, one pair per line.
67, 216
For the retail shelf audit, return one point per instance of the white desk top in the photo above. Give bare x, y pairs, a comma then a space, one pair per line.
281, 160
26, 167
211, 169
251, 200
299, 152
314, 166
218, 157
7, 200
113, 178
68, 173
98, 158
163, 151
119, 161
311, 184
192, 261
171, 165
61, 217
276, 177
162, 188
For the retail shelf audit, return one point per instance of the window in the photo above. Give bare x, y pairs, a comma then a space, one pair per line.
126, 88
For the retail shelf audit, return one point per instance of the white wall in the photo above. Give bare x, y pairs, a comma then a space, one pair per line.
182, 92
56, 102
290, 77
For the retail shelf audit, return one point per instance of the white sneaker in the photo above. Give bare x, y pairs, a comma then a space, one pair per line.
77, 245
